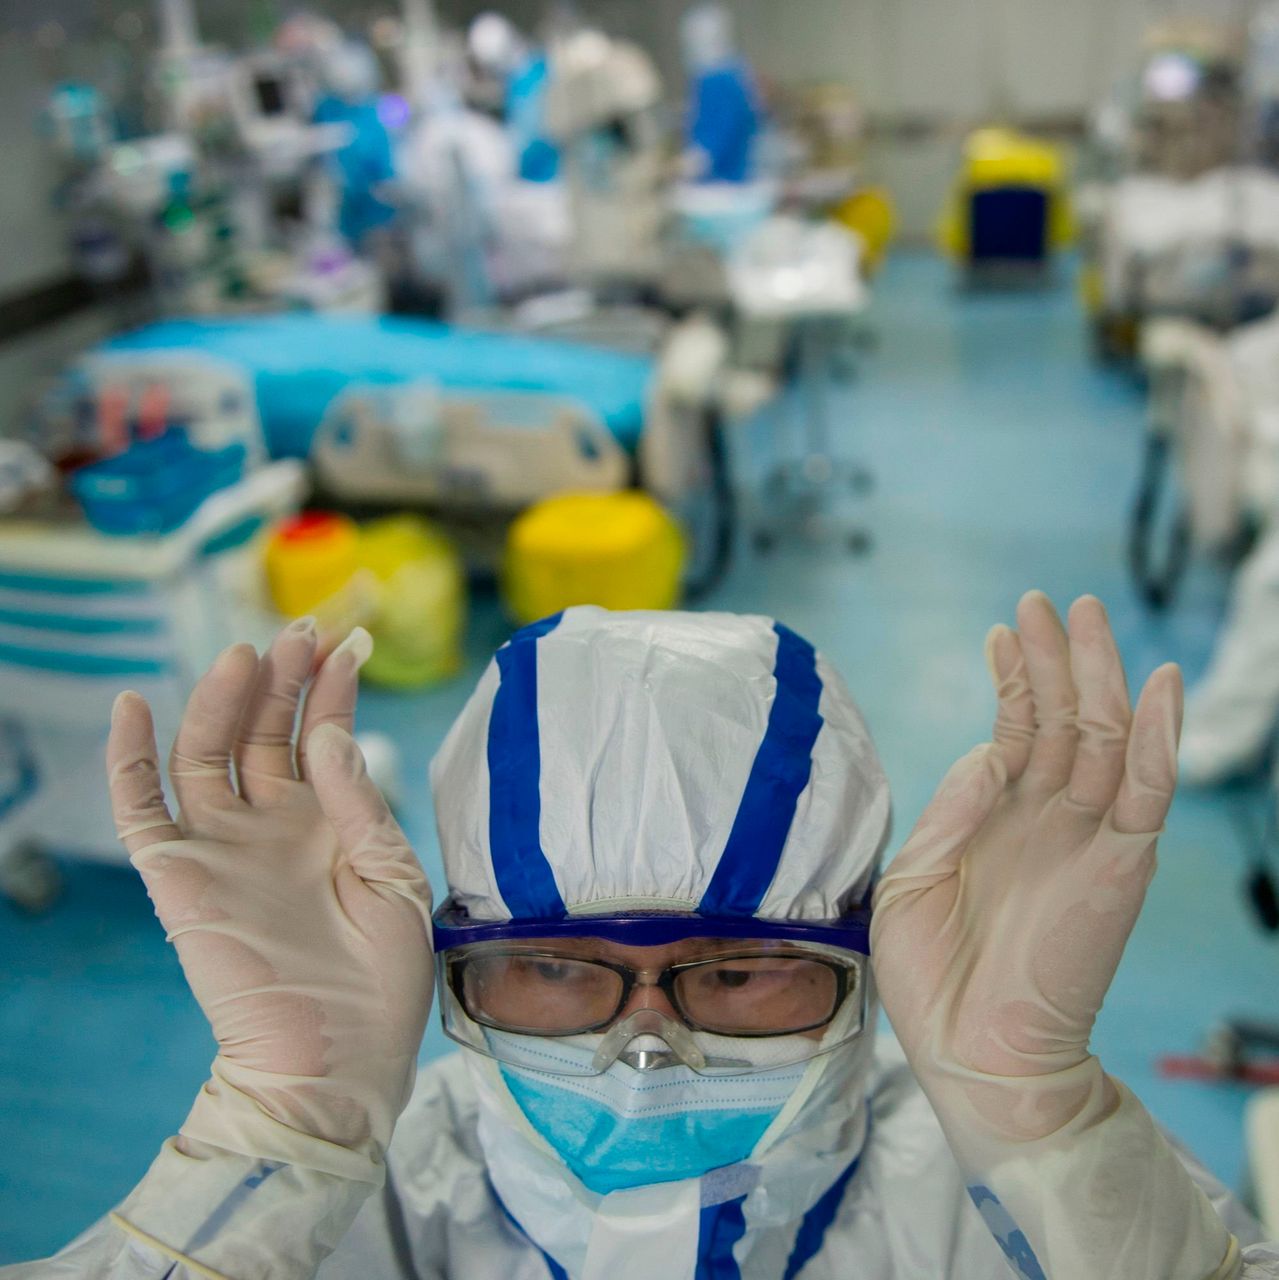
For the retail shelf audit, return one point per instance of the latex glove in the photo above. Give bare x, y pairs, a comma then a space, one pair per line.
300, 915
996, 933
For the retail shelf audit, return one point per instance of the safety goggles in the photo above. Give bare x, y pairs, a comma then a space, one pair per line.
747, 995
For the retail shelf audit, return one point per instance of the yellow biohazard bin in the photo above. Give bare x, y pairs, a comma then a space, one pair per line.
421, 611
871, 214
618, 550
1009, 202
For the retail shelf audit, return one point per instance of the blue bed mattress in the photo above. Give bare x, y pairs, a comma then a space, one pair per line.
300, 362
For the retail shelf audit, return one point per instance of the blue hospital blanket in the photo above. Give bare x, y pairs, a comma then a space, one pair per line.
300, 362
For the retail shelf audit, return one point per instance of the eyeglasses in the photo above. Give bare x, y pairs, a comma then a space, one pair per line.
743, 990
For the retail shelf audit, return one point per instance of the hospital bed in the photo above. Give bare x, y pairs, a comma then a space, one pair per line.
83, 616
393, 412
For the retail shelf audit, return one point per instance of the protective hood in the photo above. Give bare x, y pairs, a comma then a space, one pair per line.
692, 762
706, 764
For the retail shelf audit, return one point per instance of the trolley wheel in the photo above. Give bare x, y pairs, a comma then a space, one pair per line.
29, 878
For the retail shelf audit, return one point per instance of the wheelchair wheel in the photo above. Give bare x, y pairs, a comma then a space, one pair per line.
716, 524
1159, 533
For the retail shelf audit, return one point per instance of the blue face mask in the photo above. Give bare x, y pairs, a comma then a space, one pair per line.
630, 1128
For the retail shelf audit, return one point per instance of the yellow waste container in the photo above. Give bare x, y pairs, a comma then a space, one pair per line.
618, 550
397, 576
310, 558
998, 159
421, 603
871, 215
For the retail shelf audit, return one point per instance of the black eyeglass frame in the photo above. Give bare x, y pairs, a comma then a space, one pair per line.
847, 973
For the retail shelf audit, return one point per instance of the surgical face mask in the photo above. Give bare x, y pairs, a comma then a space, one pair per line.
632, 1127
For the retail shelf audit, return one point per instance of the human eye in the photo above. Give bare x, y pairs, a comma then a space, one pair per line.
732, 979
551, 971
744, 973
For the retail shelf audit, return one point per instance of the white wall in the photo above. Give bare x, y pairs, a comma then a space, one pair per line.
924, 56
32, 236
31, 242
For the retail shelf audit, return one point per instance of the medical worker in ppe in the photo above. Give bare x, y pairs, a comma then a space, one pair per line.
365, 164
724, 113
661, 834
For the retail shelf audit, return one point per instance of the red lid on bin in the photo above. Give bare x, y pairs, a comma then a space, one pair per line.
310, 526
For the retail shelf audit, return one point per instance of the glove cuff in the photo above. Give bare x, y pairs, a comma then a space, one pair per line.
1104, 1196
227, 1216
224, 1115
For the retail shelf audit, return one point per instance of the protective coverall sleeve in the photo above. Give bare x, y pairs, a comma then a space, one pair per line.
201, 1213
301, 918
1260, 1259
1050, 1205
998, 929
1260, 1262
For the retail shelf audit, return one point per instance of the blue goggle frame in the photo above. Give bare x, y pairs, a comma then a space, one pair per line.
454, 928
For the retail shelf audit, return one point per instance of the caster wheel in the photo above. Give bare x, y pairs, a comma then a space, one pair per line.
30, 879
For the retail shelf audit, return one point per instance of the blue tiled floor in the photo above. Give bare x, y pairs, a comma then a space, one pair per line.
1004, 460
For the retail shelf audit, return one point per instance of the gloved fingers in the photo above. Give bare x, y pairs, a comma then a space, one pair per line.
960, 807
375, 847
200, 762
1104, 708
1015, 717
333, 693
1047, 651
133, 777
1150, 768
264, 743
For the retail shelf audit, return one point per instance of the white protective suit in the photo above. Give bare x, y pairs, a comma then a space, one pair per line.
613, 763
1232, 713
1223, 412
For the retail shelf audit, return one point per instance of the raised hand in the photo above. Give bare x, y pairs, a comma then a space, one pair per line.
999, 925
299, 912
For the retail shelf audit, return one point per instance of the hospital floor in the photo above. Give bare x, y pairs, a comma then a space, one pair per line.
1003, 459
